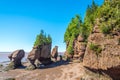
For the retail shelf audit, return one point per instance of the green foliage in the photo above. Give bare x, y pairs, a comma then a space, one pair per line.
10, 66
76, 27
70, 47
1, 65
49, 39
73, 28
72, 32
109, 15
97, 49
30, 67
106, 29
89, 20
41, 39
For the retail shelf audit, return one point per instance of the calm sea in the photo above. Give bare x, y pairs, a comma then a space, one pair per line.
4, 57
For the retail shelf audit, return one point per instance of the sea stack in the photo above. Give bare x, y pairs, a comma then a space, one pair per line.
15, 58
40, 53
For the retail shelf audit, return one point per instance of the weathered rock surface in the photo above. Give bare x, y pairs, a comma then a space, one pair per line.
40, 53
79, 48
59, 58
16, 58
54, 53
67, 55
108, 60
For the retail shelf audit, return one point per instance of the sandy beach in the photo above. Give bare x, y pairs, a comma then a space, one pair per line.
62, 72
55, 71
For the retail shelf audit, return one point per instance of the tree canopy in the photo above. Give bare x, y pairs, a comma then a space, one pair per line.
109, 17
72, 32
77, 27
42, 39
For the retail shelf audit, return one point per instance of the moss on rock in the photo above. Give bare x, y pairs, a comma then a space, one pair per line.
10, 66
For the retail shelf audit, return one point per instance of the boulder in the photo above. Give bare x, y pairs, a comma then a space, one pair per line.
40, 53
54, 53
59, 58
16, 57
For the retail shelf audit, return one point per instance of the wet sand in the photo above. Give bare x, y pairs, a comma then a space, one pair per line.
59, 71
55, 71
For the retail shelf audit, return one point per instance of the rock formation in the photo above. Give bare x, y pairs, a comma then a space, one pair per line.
16, 58
103, 53
40, 53
54, 53
79, 48
59, 58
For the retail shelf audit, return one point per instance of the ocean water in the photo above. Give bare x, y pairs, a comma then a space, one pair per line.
4, 57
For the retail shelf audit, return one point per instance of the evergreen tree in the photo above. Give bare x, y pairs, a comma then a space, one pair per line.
72, 32
41, 39
109, 18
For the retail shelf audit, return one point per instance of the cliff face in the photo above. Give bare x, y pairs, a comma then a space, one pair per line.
103, 52
79, 48
101, 30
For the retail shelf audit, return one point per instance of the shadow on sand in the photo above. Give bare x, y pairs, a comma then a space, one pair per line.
52, 65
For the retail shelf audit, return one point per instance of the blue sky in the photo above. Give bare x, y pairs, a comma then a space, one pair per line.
22, 20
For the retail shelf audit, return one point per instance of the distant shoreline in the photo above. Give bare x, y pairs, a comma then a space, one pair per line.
4, 56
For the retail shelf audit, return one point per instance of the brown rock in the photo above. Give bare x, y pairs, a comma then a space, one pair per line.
59, 58
16, 57
96, 29
41, 53
67, 55
33, 55
80, 38
79, 49
54, 53
45, 51
108, 60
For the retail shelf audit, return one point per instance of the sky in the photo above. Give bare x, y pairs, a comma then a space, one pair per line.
22, 20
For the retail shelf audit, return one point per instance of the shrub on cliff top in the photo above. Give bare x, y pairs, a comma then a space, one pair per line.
109, 14
42, 39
